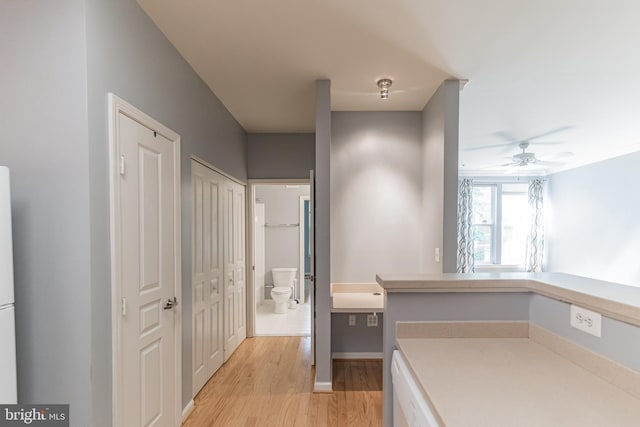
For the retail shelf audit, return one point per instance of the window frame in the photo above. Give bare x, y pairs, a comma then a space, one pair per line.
494, 219
496, 235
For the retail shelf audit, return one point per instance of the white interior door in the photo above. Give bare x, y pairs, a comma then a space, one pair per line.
207, 310
235, 267
148, 226
8, 385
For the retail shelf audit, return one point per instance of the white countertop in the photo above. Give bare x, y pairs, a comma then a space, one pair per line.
512, 382
612, 299
357, 302
356, 298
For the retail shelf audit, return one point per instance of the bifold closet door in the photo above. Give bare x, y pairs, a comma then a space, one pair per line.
235, 308
207, 274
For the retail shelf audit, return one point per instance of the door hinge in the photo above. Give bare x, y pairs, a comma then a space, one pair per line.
121, 165
123, 306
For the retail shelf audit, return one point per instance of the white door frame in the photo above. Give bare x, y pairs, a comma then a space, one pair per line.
117, 106
302, 218
251, 286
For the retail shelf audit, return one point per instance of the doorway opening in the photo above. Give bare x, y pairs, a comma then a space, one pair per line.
281, 253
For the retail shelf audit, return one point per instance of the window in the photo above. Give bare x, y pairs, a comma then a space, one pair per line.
501, 217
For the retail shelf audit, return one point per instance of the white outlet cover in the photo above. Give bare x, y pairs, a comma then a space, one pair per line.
586, 320
372, 320
352, 320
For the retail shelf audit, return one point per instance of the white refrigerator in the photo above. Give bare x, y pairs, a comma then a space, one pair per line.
8, 387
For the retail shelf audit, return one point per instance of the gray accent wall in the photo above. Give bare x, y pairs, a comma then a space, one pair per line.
449, 252
129, 56
592, 227
280, 155
432, 183
619, 341
440, 118
376, 197
355, 339
43, 117
322, 217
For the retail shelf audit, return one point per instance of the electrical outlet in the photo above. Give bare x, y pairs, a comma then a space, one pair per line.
352, 320
437, 254
586, 320
372, 320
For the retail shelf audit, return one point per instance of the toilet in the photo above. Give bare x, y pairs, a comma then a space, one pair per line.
283, 282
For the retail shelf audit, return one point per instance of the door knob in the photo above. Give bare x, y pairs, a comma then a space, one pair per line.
170, 303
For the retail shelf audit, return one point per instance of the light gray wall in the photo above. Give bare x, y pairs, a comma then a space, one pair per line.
129, 56
440, 118
432, 183
376, 194
617, 340
592, 226
322, 218
451, 90
43, 110
355, 339
282, 244
280, 155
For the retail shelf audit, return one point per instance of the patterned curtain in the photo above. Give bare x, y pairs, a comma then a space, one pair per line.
465, 227
535, 241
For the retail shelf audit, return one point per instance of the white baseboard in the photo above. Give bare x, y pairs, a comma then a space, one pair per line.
360, 355
322, 387
188, 410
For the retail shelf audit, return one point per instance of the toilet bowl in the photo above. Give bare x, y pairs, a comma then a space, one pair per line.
281, 297
283, 281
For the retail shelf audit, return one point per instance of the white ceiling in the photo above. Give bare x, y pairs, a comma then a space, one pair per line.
570, 66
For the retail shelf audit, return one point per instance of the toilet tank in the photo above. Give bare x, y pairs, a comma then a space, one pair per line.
284, 276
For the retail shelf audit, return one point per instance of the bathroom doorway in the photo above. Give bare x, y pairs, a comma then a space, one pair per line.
281, 245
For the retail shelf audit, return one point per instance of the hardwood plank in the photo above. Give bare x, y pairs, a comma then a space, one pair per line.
269, 381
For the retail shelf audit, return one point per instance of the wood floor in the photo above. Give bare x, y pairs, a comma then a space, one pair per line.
268, 382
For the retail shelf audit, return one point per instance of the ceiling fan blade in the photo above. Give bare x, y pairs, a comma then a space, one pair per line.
506, 136
551, 132
546, 142
563, 155
487, 146
547, 163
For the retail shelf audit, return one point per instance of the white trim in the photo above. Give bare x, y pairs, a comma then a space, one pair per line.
357, 355
251, 258
220, 171
284, 181
188, 410
250, 243
301, 229
322, 387
115, 107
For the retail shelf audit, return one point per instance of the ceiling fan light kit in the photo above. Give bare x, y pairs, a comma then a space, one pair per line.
524, 158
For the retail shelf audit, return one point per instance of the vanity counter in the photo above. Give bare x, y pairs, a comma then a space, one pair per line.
357, 298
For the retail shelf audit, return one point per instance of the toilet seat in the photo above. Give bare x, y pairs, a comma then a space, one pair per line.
280, 290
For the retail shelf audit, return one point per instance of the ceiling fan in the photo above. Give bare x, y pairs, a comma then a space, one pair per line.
527, 158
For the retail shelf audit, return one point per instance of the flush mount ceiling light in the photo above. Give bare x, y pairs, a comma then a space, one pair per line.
384, 85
